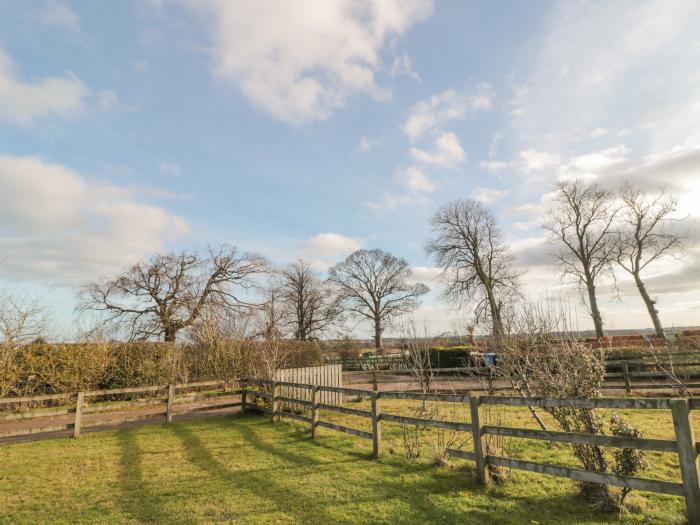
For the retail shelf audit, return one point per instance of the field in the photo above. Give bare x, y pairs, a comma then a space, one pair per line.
243, 469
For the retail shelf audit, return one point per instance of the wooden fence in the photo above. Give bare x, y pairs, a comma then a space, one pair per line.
665, 371
169, 400
328, 375
684, 443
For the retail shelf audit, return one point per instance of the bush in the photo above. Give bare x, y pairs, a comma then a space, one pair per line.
42, 368
454, 357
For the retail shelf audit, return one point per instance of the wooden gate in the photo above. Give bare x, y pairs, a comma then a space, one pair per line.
327, 375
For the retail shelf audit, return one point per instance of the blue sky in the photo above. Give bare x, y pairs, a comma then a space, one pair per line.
314, 128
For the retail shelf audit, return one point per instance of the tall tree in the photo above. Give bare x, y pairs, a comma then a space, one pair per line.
160, 297
374, 285
468, 246
581, 223
645, 237
309, 302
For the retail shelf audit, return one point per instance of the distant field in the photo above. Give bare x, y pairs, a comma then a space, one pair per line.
243, 469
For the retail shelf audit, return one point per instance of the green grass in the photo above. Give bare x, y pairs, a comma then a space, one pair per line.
243, 469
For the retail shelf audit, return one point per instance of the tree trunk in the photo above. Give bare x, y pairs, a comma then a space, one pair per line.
651, 306
496, 320
378, 335
595, 312
169, 334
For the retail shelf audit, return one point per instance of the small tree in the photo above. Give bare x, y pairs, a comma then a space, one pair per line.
645, 237
309, 302
160, 297
374, 285
469, 248
581, 223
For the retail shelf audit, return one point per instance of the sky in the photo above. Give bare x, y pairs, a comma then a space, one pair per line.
311, 129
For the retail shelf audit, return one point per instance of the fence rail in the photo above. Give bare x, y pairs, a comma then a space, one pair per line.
684, 444
165, 397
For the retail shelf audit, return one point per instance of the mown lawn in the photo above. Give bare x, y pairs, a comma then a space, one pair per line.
243, 469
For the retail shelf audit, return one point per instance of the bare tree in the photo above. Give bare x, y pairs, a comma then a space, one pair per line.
468, 245
645, 237
374, 285
311, 308
21, 321
160, 297
581, 223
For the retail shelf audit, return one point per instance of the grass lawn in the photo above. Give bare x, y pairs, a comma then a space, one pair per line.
243, 469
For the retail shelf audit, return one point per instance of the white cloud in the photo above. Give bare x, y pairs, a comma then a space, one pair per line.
106, 99
602, 63
330, 245
57, 224
302, 63
494, 166
426, 274
428, 115
415, 180
55, 13
22, 103
599, 132
368, 144
447, 152
403, 65
488, 195
393, 201
533, 160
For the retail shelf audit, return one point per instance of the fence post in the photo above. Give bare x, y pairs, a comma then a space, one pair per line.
78, 414
474, 403
374, 380
376, 425
626, 375
274, 401
490, 379
314, 410
244, 396
687, 456
169, 409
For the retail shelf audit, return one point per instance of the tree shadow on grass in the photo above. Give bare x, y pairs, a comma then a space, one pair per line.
260, 482
136, 498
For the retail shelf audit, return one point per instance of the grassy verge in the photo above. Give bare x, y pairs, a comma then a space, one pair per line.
246, 470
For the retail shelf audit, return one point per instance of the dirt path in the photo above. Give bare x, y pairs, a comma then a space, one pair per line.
98, 422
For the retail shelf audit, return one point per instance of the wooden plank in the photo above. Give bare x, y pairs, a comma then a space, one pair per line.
48, 397
350, 391
181, 386
36, 430
142, 403
297, 417
474, 403
188, 410
37, 414
347, 430
345, 410
434, 423
77, 419
314, 411
621, 403
134, 390
376, 426
687, 456
293, 401
122, 419
461, 454
453, 398
662, 445
589, 476
169, 408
